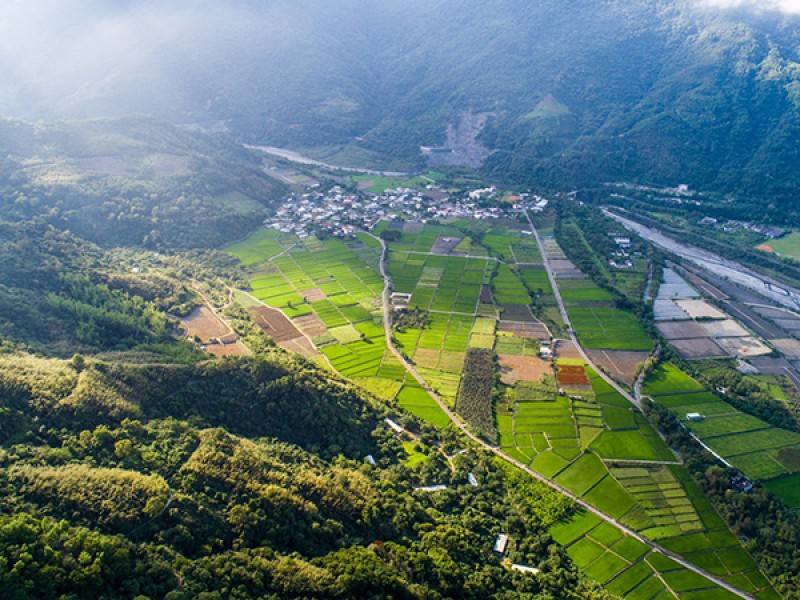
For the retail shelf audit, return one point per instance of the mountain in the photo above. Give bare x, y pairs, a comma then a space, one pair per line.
645, 90
133, 182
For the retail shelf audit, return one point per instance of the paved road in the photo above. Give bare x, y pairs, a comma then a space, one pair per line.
387, 326
565, 317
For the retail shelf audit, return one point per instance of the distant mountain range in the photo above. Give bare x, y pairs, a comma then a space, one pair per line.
579, 93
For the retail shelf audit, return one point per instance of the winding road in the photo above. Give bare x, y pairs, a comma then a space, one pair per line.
387, 326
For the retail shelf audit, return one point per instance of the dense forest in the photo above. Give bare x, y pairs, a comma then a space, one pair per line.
245, 478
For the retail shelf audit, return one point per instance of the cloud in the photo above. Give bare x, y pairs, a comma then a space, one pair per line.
786, 6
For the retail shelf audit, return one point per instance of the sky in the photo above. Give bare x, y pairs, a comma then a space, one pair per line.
787, 6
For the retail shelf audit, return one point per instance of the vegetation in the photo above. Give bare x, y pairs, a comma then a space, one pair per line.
475, 395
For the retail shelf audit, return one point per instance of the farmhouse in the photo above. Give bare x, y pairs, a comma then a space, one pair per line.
694, 417
500, 544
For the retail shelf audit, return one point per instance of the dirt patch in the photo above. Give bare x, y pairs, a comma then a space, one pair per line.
486, 295
765, 248
681, 330
788, 347
275, 324
313, 295
311, 325
698, 348
522, 368
535, 331
620, 364
203, 324
566, 349
570, 375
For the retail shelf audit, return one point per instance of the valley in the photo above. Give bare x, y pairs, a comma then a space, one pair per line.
405, 310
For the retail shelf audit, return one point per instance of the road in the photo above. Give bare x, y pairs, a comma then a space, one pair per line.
565, 317
729, 269
387, 327
304, 160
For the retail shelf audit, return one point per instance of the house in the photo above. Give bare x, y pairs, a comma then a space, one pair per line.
394, 426
694, 417
370, 459
472, 480
500, 544
525, 569
430, 488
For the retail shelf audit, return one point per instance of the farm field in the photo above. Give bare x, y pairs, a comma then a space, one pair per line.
757, 449
598, 324
591, 441
628, 568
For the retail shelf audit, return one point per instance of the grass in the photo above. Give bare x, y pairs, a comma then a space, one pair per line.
582, 475
570, 528
786, 488
609, 329
668, 379
788, 246
630, 445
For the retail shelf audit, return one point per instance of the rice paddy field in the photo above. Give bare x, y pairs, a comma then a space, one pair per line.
598, 324
757, 449
589, 439
628, 568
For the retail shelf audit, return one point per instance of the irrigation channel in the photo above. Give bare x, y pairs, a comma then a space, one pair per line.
387, 326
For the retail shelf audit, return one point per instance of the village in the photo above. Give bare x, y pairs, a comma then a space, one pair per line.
342, 213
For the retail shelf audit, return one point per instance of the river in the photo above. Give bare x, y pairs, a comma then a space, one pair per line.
765, 286
293, 156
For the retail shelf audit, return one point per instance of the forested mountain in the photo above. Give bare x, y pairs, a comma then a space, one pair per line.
132, 182
245, 479
579, 92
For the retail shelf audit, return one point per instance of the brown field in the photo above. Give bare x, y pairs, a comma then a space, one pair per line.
788, 347
203, 324
620, 364
698, 348
235, 349
566, 349
726, 328
313, 295
522, 368
744, 347
301, 345
275, 324
486, 294
517, 312
700, 309
681, 330
535, 331
572, 375
311, 325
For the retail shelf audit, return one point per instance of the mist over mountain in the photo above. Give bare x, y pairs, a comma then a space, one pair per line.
701, 92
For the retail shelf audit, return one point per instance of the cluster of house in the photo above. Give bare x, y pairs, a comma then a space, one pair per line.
732, 226
339, 213
622, 255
